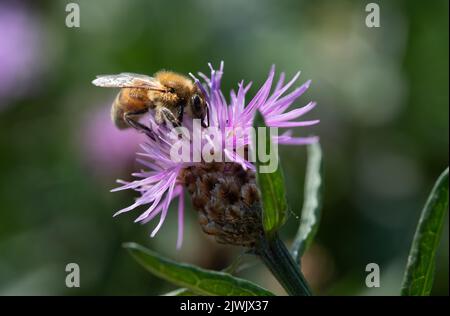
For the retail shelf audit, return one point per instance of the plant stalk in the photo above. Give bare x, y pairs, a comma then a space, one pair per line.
279, 261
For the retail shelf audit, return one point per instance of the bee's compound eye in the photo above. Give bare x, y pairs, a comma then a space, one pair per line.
196, 103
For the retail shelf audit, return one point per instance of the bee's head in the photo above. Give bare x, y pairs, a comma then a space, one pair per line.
198, 107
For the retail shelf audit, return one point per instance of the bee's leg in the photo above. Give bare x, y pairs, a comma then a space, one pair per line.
167, 116
128, 117
205, 125
180, 114
207, 113
159, 118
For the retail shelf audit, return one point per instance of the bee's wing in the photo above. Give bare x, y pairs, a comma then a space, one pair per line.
128, 80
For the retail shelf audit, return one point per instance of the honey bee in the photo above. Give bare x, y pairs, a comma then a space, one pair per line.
169, 94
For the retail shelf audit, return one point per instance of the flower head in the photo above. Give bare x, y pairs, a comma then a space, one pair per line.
166, 179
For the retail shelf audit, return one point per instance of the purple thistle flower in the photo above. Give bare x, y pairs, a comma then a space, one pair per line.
102, 146
20, 50
163, 180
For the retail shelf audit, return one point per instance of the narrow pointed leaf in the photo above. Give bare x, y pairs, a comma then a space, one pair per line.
270, 182
231, 269
181, 292
419, 274
310, 215
193, 278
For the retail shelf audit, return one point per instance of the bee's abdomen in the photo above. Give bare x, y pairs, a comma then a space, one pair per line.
129, 101
132, 100
117, 113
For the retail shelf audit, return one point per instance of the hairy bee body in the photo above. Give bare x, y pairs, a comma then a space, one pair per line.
169, 94
128, 100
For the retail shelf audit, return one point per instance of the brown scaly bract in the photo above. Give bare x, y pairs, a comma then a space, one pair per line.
227, 200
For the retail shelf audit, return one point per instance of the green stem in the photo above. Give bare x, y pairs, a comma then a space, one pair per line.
277, 258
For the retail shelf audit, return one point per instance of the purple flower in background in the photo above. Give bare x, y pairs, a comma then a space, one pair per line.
165, 179
19, 49
105, 148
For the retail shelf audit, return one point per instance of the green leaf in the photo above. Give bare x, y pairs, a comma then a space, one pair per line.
180, 292
271, 184
312, 204
231, 269
195, 279
419, 274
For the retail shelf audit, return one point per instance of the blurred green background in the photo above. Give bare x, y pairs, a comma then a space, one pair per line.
382, 98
